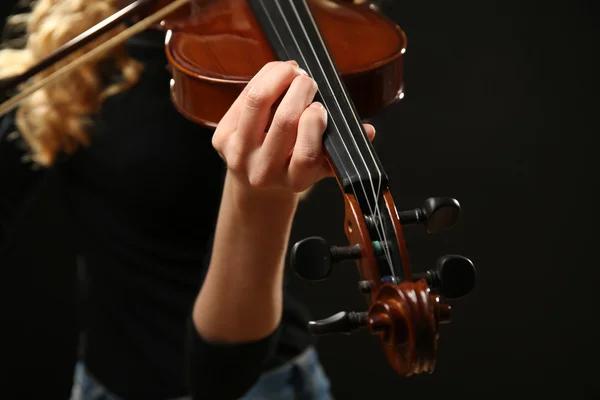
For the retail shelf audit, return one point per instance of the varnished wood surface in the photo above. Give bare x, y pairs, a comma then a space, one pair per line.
216, 51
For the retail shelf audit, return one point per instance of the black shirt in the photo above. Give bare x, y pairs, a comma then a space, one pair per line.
143, 201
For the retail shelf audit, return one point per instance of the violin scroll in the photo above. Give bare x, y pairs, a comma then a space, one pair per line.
407, 317
405, 310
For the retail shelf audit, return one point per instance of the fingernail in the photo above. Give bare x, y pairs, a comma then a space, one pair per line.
373, 127
301, 71
293, 62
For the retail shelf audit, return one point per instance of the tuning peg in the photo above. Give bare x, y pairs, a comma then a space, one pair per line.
342, 322
453, 276
312, 258
437, 214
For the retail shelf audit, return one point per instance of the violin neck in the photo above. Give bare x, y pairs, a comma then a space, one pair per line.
293, 34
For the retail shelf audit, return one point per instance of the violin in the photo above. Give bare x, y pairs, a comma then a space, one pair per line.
355, 54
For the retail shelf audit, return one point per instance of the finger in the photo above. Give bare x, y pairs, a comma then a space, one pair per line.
259, 99
280, 139
306, 163
231, 117
370, 129
326, 170
229, 122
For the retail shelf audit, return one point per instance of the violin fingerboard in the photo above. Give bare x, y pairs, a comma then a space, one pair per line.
293, 34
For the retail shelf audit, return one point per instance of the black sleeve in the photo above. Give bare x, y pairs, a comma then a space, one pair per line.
17, 178
221, 370
225, 371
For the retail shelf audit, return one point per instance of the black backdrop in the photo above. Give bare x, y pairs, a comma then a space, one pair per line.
498, 113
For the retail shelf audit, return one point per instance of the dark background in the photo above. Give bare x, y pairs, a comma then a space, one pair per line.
498, 113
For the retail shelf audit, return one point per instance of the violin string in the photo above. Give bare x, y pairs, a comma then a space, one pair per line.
13, 102
324, 101
377, 212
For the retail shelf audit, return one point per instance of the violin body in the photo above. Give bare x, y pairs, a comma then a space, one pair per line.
355, 55
219, 47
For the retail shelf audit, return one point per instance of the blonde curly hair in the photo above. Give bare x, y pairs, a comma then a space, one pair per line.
56, 118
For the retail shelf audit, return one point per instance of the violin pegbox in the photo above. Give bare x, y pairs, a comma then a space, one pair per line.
405, 309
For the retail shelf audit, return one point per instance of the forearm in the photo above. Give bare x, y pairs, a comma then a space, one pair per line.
241, 298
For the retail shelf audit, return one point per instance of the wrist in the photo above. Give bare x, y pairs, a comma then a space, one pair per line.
256, 201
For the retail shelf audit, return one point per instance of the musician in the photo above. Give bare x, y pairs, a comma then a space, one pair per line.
181, 232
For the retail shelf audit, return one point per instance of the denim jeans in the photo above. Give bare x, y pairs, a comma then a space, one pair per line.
302, 378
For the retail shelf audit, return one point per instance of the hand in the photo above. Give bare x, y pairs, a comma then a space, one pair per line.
287, 153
